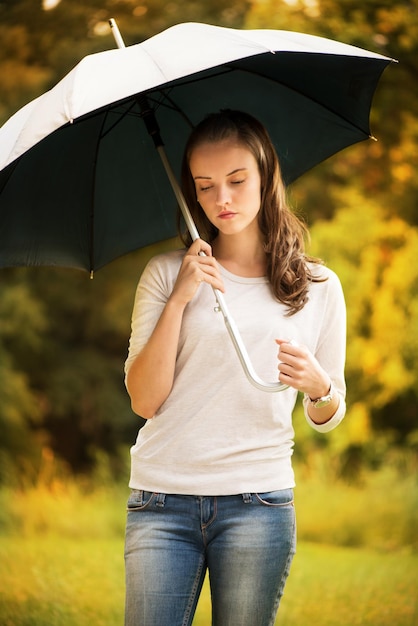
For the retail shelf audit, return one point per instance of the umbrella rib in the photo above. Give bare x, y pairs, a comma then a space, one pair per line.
231, 68
321, 104
308, 97
110, 109
173, 107
93, 193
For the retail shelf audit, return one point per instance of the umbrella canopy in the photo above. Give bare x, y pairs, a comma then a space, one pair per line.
80, 180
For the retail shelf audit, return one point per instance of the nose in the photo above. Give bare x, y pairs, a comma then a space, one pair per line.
223, 196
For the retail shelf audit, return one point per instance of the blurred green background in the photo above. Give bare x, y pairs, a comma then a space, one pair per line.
65, 419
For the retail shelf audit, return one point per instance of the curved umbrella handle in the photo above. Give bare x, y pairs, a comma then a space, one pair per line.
241, 349
221, 304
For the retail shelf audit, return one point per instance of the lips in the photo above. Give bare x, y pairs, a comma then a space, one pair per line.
226, 215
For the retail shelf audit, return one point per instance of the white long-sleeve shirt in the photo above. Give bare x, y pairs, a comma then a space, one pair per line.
217, 434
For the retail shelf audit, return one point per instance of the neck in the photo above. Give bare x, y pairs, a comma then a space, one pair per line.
241, 255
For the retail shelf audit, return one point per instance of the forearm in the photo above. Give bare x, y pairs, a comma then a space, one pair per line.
150, 377
325, 413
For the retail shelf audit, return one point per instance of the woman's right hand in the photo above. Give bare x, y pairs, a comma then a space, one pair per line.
198, 266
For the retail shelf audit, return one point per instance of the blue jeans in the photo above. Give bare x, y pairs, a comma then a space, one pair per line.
246, 542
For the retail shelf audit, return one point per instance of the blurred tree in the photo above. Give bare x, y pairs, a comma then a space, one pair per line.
40, 45
22, 324
73, 360
376, 261
384, 169
63, 341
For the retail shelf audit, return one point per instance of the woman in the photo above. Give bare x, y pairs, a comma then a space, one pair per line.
211, 477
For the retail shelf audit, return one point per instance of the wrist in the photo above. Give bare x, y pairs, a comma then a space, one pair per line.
323, 400
176, 303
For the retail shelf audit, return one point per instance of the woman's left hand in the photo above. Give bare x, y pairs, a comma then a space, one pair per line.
299, 369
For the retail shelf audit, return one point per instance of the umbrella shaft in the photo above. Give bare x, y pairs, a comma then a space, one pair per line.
191, 226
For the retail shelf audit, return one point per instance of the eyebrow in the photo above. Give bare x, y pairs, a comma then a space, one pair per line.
239, 169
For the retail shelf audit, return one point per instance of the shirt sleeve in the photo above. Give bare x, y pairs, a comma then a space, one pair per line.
331, 349
153, 290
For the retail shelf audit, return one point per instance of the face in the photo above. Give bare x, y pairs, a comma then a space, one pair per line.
227, 182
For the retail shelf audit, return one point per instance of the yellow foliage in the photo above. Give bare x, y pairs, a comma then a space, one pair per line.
356, 429
375, 257
358, 424
371, 359
403, 172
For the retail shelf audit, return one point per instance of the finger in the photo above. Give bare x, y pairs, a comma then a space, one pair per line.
196, 265
207, 270
211, 276
208, 261
288, 347
283, 368
290, 342
287, 378
200, 247
203, 269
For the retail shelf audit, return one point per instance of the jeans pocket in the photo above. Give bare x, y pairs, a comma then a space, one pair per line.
140, 500
280, 498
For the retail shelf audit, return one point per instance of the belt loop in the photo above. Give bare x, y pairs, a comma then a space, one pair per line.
247, 498
160, 499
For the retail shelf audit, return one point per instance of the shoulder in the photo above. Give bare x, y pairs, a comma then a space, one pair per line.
324, 280
160, 273
322, 273
167, 259
163, 265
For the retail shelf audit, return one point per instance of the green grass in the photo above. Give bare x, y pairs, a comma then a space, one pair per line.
62, 581
381, 512
54, 581
335, 586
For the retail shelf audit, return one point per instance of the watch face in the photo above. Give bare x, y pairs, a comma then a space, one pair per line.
322, 401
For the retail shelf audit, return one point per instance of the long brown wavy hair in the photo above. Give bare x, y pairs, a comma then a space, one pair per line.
283, 232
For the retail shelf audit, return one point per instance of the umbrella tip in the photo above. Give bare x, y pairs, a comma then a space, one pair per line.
116, 33
372, 137
91, 274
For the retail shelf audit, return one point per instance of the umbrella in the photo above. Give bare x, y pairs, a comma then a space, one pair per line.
80, 180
